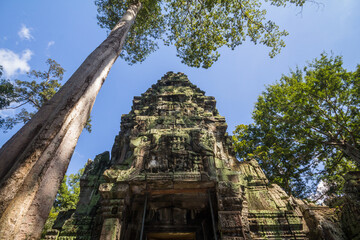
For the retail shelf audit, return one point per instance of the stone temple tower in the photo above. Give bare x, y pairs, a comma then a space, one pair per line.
173, 175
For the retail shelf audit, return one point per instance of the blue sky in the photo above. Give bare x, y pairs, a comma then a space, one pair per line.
67, 31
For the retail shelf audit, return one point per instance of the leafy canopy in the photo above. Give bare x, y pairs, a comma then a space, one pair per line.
30, 95
306, 127
197, 28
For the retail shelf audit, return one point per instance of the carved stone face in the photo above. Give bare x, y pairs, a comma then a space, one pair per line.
173, 175
165, 150
171, 128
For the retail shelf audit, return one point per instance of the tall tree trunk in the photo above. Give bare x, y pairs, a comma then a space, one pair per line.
33, 162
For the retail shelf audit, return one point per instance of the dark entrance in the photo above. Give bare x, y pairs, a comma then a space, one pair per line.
171, 236
184, 215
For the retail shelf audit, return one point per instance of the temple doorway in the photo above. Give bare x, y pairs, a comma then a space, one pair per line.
183, 215
171, 236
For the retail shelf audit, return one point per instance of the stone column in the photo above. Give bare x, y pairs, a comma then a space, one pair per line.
112, 211
113, 206
111, 229
232, 212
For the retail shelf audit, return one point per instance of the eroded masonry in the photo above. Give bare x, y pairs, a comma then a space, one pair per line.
173, 174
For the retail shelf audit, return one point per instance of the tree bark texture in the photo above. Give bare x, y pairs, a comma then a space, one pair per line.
33, 162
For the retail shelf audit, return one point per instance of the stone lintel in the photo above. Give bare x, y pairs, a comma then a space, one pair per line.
175, 191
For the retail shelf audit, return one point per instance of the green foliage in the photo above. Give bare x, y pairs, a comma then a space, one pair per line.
7, 91
307, 121
196, 28
67, 198
68, 193
34, 93
31, 94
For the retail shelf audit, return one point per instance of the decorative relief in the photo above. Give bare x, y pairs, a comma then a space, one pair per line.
230, 220
174, 149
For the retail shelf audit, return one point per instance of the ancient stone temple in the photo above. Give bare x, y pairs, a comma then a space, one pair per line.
172, 174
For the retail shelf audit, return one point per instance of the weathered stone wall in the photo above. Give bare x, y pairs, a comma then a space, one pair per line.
173, 173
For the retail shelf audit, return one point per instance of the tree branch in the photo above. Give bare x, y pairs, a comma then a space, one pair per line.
16, 106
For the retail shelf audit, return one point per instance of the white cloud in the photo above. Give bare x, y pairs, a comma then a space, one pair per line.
24, 33
50, 44
14, 63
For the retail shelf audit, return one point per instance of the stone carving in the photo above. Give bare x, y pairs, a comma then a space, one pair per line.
173, 161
